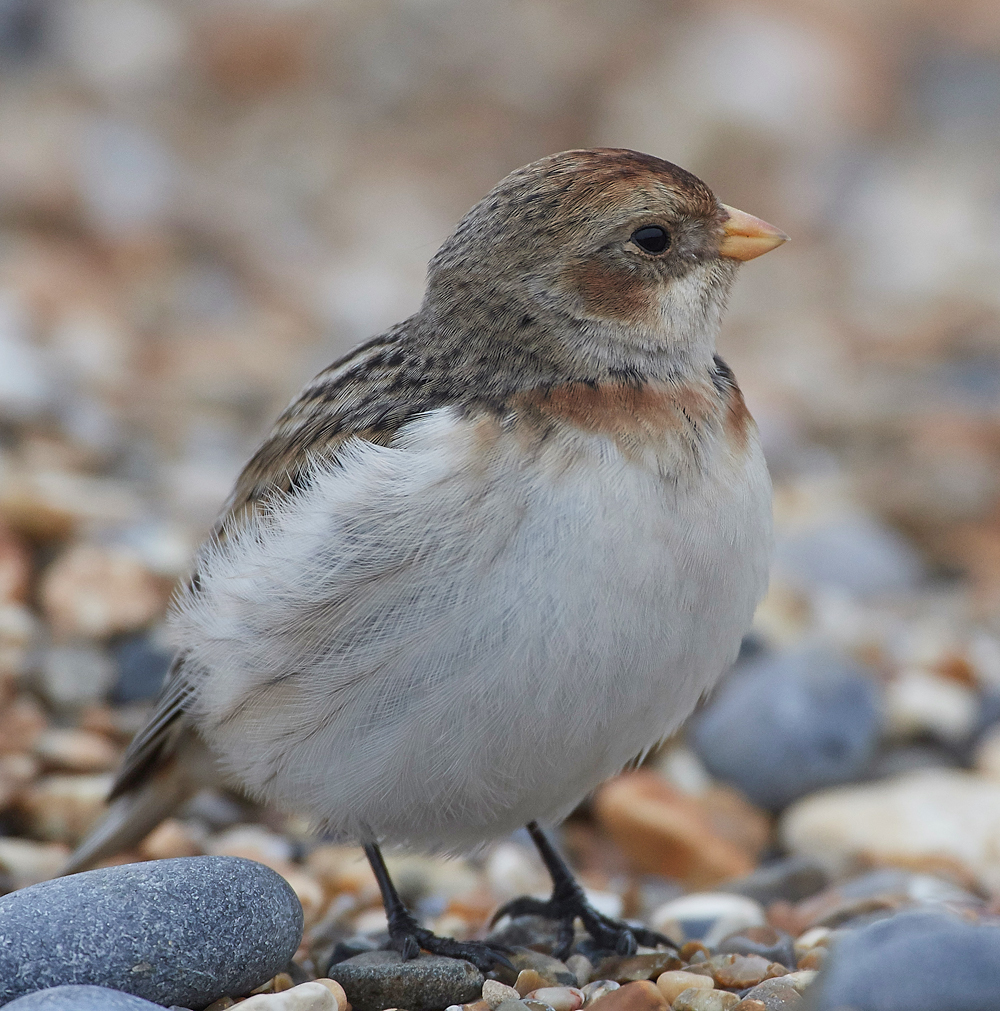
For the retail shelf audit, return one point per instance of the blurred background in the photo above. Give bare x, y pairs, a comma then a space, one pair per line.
202, 202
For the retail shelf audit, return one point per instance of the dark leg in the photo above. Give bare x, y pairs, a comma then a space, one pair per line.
408, 937
568, 902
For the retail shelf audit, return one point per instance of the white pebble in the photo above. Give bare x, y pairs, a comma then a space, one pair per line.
312, 996
597, 989
559, 998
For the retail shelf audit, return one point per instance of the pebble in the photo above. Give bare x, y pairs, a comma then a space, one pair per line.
142, 666
381, 979
852, 551
737, 972
598, 988
677, 981
913, 962
705, 1000
636, 967
21, 722
771, 995
935, 815
93, 592
772, 945
15, 567
789, 878
709, 916
546, 970
25, 862
61, 808
559, 998
638, 996
664, 831
77, 997
495, 993
184, 931
76, 750
789, 723
581, 967
73, 676
310, 996
919, 702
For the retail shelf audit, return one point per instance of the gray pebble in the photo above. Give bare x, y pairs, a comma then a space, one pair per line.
184, 931
774, 945
792, 879
912, 962
81, 998
382, 979
788, 724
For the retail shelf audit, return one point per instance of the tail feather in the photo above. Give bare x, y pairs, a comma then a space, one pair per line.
136, 812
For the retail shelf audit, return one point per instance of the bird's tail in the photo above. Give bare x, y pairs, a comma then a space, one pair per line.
135, 813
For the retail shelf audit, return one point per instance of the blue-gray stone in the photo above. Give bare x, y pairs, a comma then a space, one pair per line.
184, 931
857, 553
74, 997
913, 962
786, 724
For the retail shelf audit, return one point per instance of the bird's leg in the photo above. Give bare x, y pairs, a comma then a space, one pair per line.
407, 936
568, 902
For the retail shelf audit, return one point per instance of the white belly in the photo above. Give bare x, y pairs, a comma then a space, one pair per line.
440, 641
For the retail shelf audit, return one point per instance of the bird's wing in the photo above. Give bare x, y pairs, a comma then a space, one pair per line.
365, 395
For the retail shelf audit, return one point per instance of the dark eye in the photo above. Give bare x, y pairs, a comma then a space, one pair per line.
651, 239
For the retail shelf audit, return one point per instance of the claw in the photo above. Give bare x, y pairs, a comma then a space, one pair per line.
626, 945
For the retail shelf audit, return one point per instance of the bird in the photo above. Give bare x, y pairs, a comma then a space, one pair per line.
488, 557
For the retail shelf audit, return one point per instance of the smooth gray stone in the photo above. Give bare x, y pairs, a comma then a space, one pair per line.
74, 997
786, 724
381, 979
912, 962
184, 931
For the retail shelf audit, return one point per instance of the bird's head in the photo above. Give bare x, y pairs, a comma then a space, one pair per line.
611, 258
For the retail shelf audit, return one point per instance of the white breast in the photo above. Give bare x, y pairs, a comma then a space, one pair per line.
439, 641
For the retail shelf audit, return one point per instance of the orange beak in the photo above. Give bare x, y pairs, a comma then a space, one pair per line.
745, 236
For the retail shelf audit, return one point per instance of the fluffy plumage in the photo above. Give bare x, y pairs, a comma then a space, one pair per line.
492, 555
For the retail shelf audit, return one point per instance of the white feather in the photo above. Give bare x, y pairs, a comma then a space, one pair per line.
441, 640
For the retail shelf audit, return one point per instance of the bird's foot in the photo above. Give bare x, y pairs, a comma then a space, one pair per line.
408, 938
566, 906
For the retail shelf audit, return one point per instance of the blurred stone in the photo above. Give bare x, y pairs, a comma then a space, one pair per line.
770, 995
94, 592
629, 969
18, 630
75, 750
171, 838
913, 962
76, 675
770, 944
666, 832
919, 702
784, 725
142, 666
21, 723
16, 771
513, 870
25, 862
697, 999
62, 808
673, 983
708, 916
50, 504
987, 755
26, 383
855, 552
938, 818
15, 567
790, 878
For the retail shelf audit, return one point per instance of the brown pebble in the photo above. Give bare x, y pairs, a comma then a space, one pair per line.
638, 996
741, 971
674, 983
528, 980
75, 750
338, 991
692, 948
171, 838
750, 1004
813, 959
636, 967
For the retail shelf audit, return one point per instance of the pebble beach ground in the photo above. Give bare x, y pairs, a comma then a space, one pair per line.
202, 204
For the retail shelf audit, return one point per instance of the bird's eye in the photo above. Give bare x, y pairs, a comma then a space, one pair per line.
651, 239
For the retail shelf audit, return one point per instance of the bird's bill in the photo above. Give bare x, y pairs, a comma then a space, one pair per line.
745, 236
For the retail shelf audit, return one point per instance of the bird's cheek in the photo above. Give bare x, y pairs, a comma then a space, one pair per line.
606, 293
